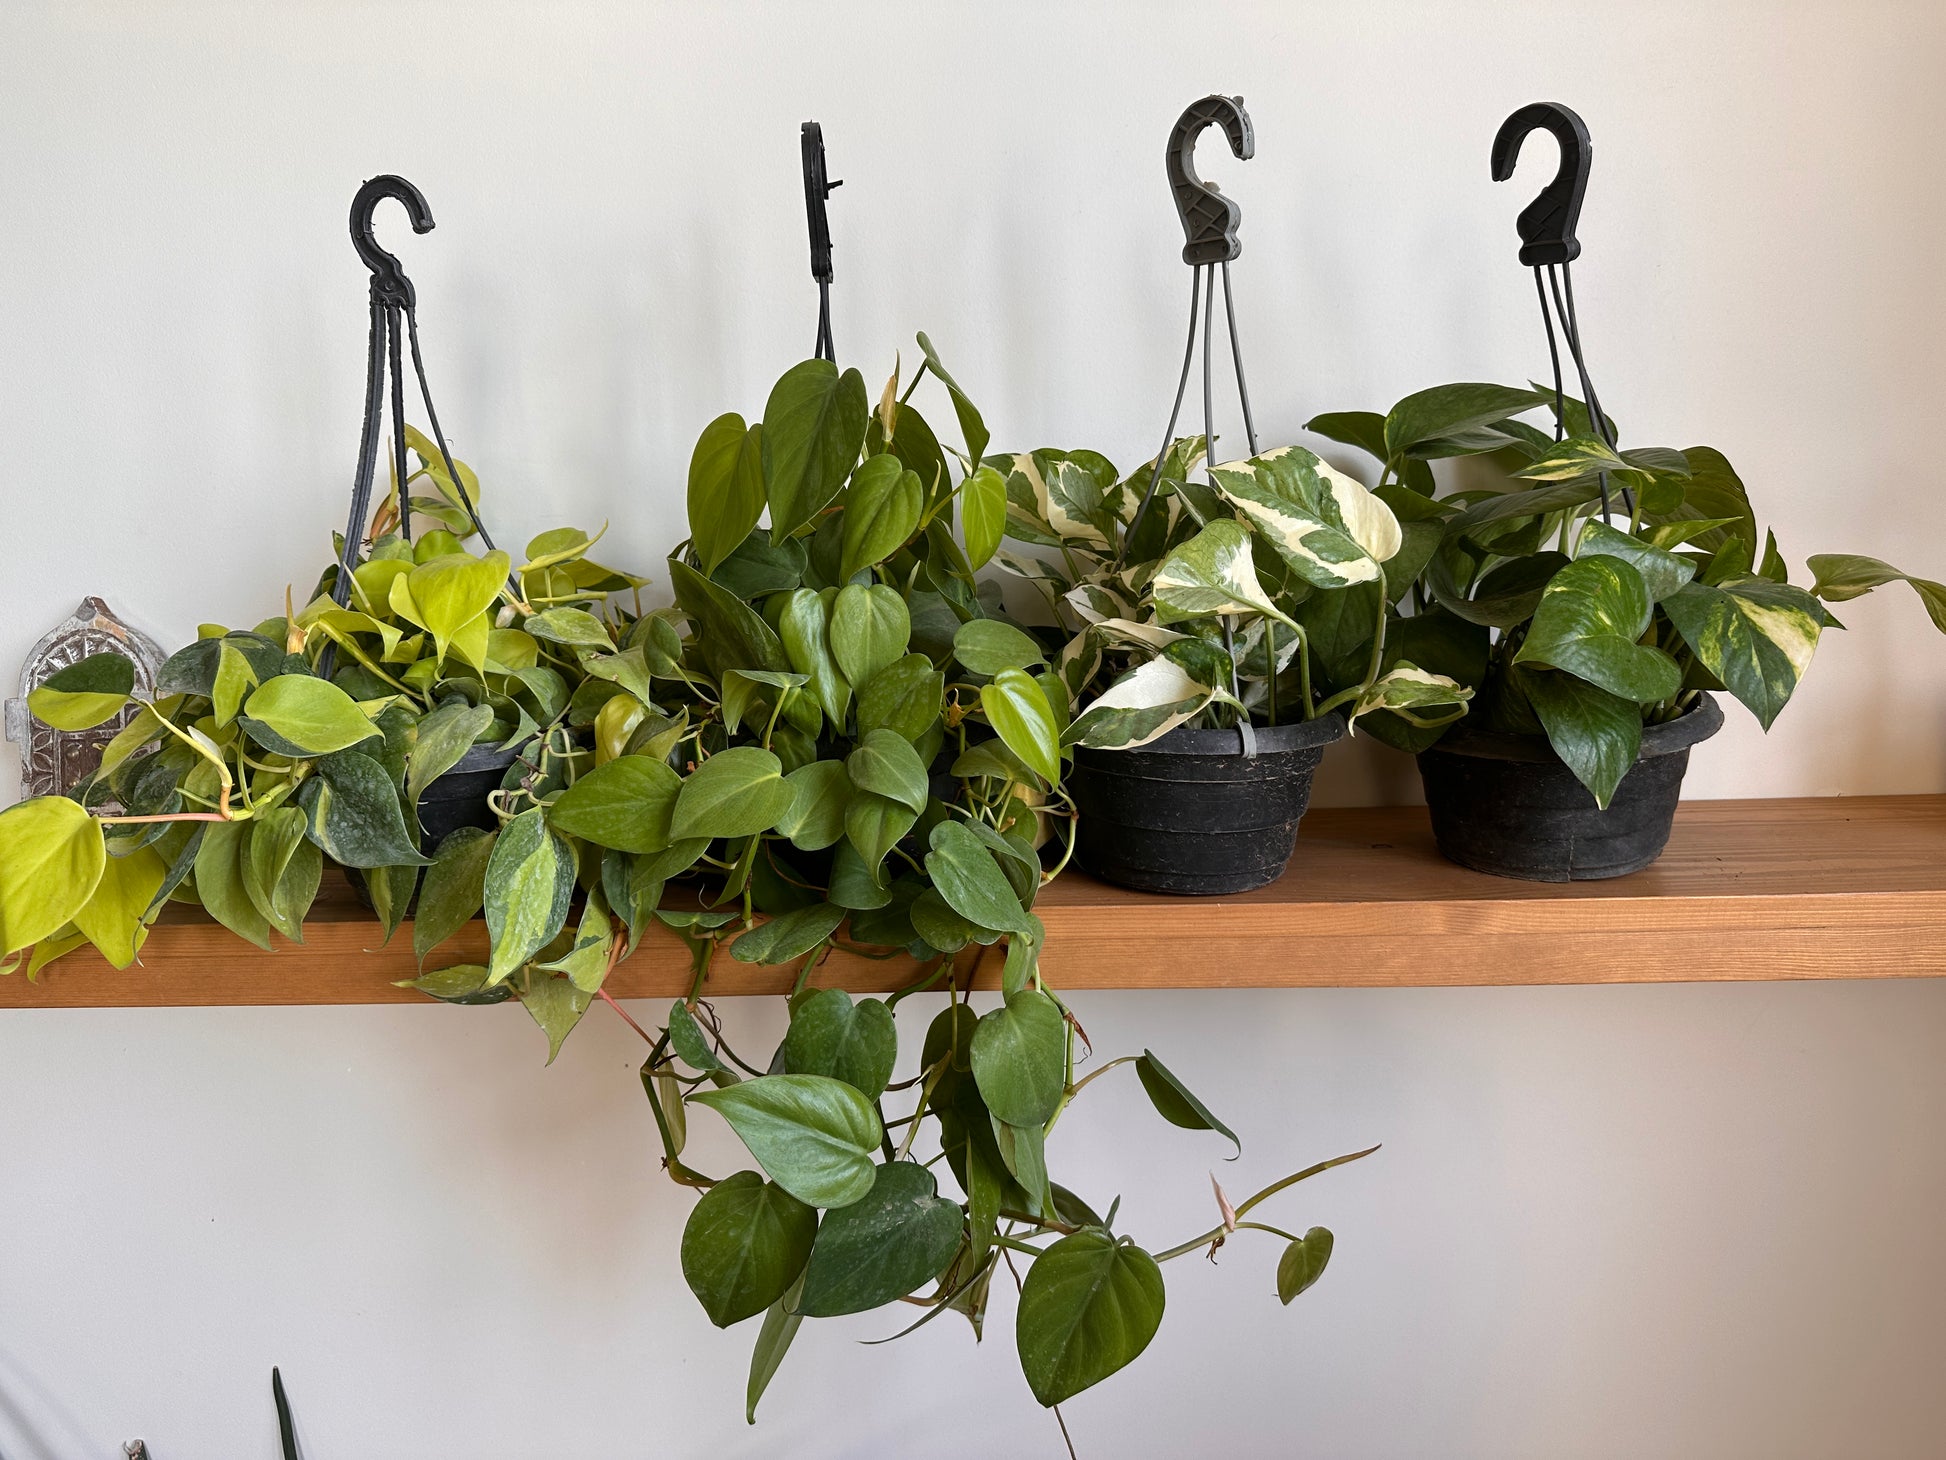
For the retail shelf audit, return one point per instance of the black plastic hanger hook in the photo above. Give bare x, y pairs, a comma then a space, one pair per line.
1209, 220
1547, 224
816, 190
389, 283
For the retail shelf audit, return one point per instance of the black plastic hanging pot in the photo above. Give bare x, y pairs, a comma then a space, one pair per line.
459, 797
1190, 813
1508, 805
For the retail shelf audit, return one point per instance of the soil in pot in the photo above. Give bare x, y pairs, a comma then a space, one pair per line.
1191, 814
1506, 804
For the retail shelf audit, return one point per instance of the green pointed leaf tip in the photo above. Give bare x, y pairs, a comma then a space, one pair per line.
1598, 735
814, 1135
723, 507
886, 765
1755, 636
882, 509
1089, 1307
967, 877
788, 936
1175, 1103
52, 857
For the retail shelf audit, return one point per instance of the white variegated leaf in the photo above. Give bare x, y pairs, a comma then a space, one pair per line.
1756, 636
1211, 573
1325, 524
1095, 601
1143, 705
1078, 661
1406, 689
1128, 631
1023, 566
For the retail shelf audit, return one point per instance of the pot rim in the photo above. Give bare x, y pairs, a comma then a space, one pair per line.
485, 758
1692, 728
1271, 739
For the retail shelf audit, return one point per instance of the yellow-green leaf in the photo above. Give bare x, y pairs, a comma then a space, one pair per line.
51, 859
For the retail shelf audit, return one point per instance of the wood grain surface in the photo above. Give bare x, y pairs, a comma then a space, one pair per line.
1812, 888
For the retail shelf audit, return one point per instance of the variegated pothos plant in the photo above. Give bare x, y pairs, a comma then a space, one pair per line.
1261, 593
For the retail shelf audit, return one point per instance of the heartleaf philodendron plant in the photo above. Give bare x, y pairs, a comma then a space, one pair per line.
1265, 592
854, 746
1580, 591
250, 768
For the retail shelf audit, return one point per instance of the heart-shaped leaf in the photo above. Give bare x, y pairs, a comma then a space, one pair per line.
355, 814
450, 593
744, 1245
1303, 1263
1588, 621
814, 423
1020, 1058
967, 877
724, 505
987, 646
1174, 1102
804, 626
1756, 636
830, 1035
882, 510
1017, 708
1089, 1306
983, 514
626, 805
529, 884
84, 694
814, 1135
312, 716
904, 698
454, 890
737, 792
886, 765
51, 858
820, 792
1212, 573
1597, 734
870, 629
788, 936
896, 1238
113, 917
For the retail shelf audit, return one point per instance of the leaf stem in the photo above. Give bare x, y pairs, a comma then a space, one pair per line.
1264, 1195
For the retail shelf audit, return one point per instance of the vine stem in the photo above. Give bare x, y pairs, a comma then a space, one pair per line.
627, 1018
1262, 1196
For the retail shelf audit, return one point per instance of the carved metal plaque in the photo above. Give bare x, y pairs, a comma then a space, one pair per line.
53, 760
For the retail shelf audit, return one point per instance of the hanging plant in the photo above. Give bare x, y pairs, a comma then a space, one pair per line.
851, 746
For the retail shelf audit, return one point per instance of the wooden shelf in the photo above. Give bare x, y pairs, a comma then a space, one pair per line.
1816, 888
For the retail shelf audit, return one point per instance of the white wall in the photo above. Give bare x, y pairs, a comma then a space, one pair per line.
1606, 1222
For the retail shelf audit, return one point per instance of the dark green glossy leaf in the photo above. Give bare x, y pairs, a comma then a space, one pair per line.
1756, 636
830, 1035
1175, 1103
886, 765
1596, 733
1089, 1307
1020, 1058
788, 936
1588, 620
355, 813
1447, 410
454, 891
896, 1238
904, 697
730, 634
966, 875
744, 1245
